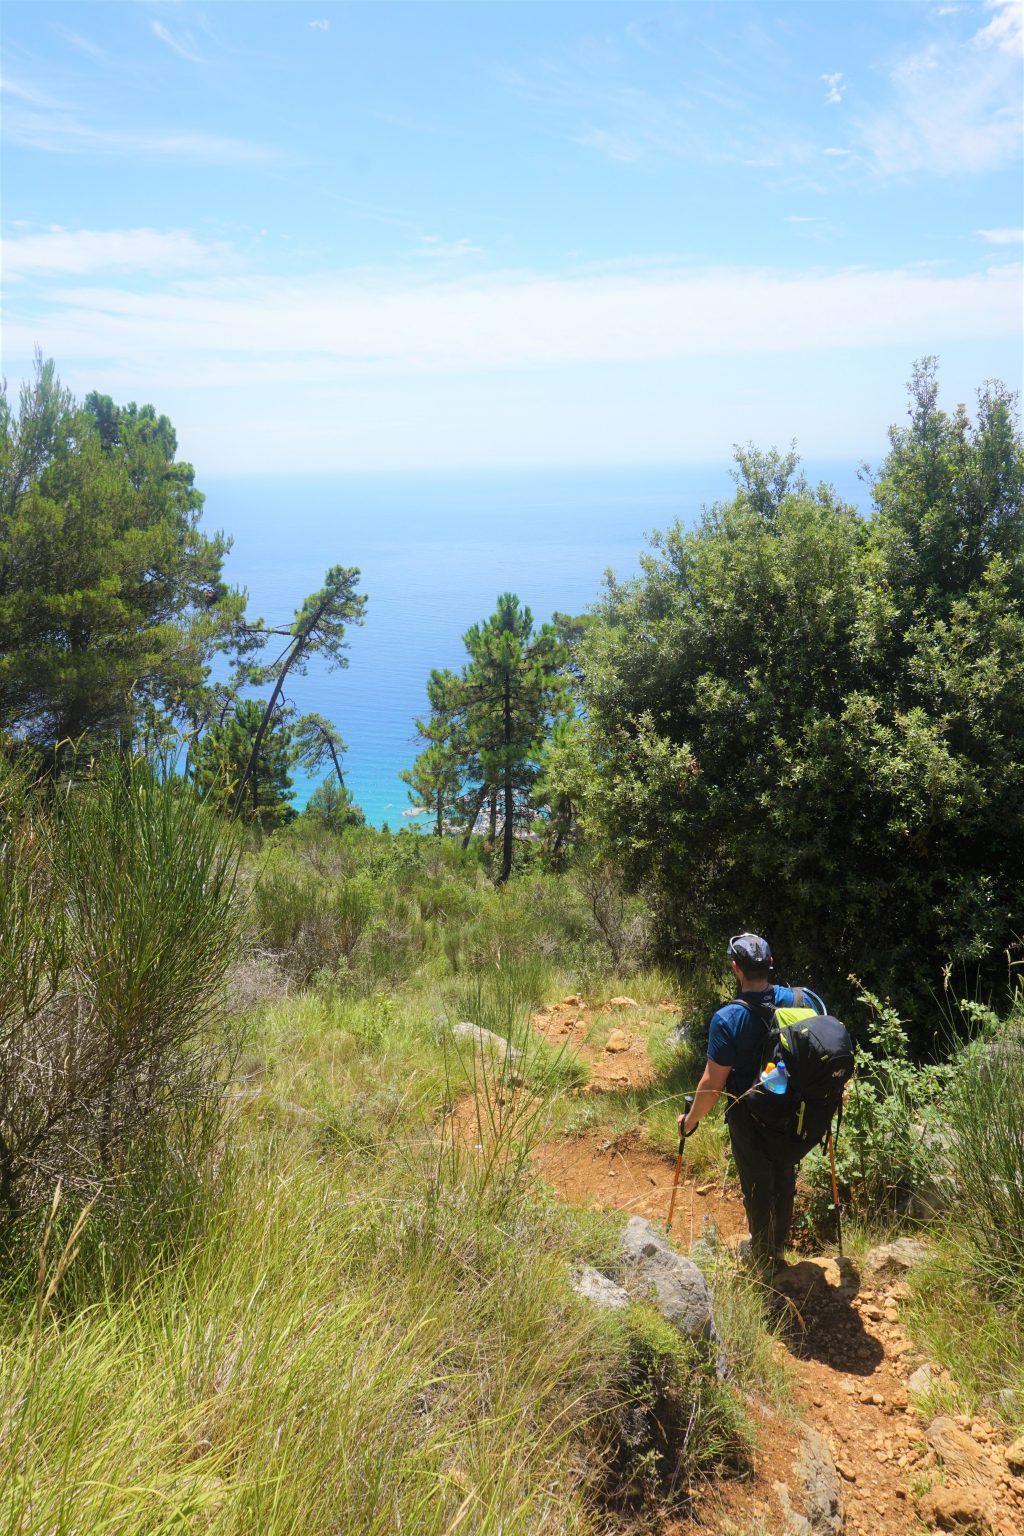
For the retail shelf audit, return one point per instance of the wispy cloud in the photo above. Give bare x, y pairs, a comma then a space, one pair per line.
19, 90
448, 250
834, 94
85, 45
36, 121
1005, 29
1002, 236
954, 108
348, 326
319, 26
82, 252
185, 50
803, 218
631, 125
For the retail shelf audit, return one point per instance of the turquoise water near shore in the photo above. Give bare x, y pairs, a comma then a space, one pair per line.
435, 550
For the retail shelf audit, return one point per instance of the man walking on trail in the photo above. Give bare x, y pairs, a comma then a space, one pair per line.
736, 1045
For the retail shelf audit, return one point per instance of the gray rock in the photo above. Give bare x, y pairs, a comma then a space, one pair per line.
936, 1192
684, 1034
595, 1287
993, 1056
680, 1292
812, 1500
485, 1038
891, 1260
920, 1381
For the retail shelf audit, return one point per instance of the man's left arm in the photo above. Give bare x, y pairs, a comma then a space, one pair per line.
705, 1096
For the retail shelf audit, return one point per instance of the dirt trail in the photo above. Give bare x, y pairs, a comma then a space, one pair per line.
850, 1356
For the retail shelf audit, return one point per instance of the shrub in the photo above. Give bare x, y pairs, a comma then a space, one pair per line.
886, 1152
985, 1116
122, 918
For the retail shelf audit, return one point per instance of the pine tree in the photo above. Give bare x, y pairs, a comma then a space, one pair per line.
225, 754
488, 724
111, 599
435, 778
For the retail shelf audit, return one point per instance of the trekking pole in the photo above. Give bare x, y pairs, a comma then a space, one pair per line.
688, 1105
835, 1194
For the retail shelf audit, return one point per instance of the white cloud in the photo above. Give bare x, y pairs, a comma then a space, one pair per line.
617, 147
65, 252
837, 153
20, 91
631, 125
58, 129
345, 326
1005, 29
319, 26
955, 108
834, 94
86, 45
803, 218
183, 50
448, 250
1002, 236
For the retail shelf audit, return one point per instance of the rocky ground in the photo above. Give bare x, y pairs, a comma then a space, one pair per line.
860, 1455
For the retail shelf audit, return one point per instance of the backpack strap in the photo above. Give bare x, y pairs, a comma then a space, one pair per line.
765, 1014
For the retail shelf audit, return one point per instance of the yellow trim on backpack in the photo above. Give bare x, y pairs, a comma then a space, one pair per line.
784, 1017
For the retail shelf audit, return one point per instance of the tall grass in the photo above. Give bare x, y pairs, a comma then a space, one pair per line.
124, 916
352, 1355
985, 1151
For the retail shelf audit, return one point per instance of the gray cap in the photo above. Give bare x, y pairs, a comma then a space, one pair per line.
750, 951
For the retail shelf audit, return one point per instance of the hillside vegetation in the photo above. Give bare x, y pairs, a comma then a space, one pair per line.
312, 1136
350, 1308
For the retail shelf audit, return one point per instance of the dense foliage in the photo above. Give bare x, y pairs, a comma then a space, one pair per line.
111, 599
807, 722
225, 754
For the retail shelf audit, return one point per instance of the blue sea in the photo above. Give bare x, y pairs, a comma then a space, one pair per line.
435, 550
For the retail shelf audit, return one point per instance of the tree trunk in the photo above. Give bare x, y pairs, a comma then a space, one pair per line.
334, 760
302, 639
250, 767
478, 807
507, 830
492, 830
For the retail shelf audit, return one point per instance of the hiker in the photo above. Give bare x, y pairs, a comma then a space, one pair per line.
736, 1054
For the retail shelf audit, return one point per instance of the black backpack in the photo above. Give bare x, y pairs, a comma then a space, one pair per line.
817, 1053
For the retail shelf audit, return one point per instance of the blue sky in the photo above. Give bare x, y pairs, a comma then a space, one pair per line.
327, 237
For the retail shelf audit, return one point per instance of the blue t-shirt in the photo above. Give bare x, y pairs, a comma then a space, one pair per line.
737, 1037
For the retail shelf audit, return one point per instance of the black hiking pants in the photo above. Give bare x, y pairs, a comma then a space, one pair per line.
768, 1182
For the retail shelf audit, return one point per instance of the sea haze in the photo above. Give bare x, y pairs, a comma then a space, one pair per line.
434, 551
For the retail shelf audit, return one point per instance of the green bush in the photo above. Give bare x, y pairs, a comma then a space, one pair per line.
886, 1157
984, 1149
122, 915
807, 722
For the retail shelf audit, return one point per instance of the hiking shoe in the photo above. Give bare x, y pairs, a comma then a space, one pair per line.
759, 1264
